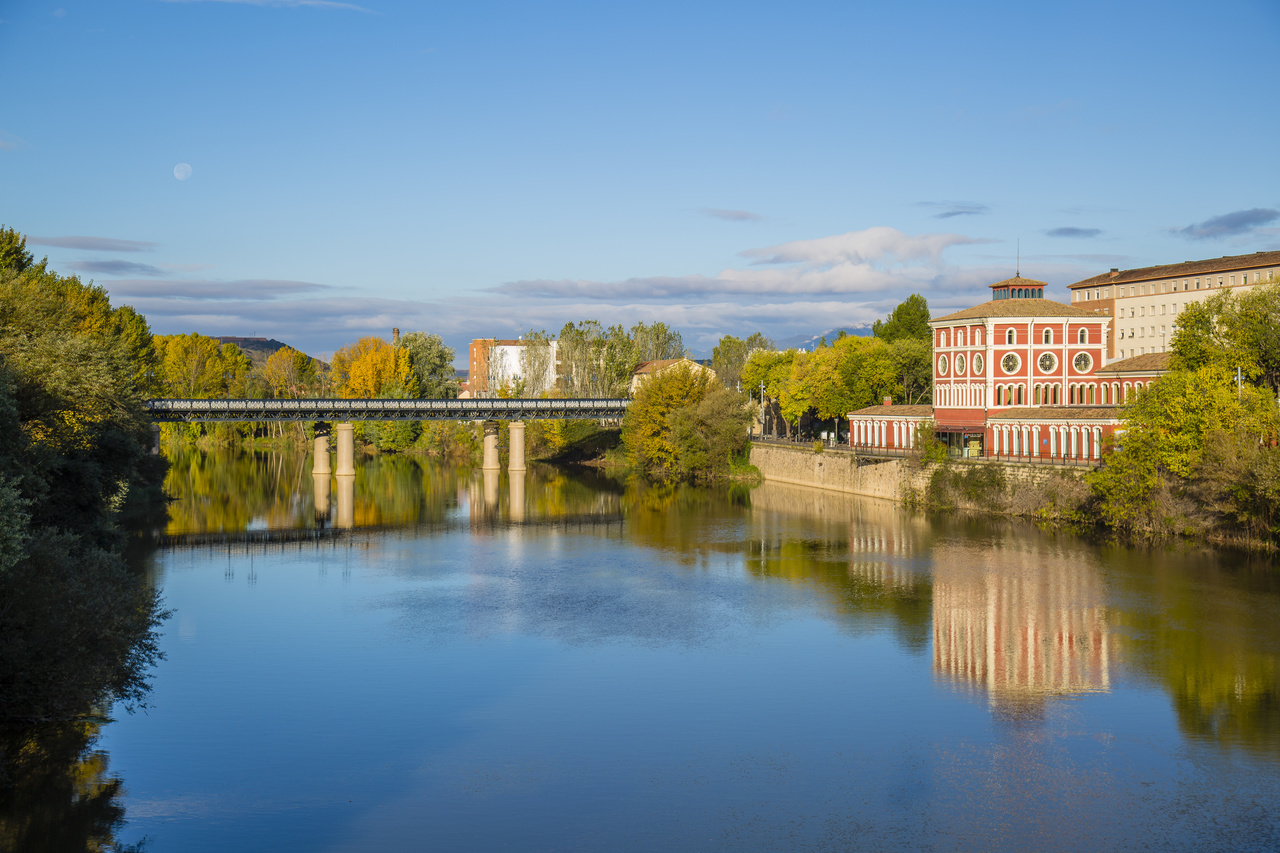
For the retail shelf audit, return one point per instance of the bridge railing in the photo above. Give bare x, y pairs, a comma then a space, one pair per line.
328, 409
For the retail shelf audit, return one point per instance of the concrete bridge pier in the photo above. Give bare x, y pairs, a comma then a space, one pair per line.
516, 484
516, 461
491, 462
346, 502
322, 484
490, 477
320, 456
346, 450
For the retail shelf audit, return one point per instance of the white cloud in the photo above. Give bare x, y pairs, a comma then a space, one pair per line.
807, 286
880, 244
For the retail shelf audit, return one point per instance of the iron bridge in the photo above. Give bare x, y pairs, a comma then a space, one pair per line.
188, 411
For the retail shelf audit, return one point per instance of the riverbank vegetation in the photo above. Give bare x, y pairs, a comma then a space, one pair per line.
804, 390
1200, 451
77, 624
684, 424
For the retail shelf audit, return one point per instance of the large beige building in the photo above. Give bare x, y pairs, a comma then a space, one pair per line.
1145, 302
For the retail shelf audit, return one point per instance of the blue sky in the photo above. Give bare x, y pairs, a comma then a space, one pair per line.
483, 168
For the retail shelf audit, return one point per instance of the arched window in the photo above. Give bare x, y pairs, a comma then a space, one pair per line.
1115, 393
960, 337
1010, 337
1048, 336
1093, 389
1020, 387
1084, 444
1097, 442
942, 338
1084, 336
977, 338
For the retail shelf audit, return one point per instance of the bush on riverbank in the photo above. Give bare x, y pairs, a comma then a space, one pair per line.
684, 424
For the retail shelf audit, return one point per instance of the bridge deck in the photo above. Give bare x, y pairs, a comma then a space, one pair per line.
180, 411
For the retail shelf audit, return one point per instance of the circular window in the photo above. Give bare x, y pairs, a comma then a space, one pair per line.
942, 365
1048, 361
977, 364
960, 365
1082, 362
1011, 363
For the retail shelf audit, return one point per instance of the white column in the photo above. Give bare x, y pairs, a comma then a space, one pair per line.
515, 461
346, 450
320, 455
491, 462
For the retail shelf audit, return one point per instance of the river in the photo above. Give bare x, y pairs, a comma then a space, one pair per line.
438, 661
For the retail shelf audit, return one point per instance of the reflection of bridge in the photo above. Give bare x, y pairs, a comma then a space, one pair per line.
488, 410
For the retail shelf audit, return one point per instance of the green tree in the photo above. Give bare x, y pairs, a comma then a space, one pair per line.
730, 355
909, 320
1142, 487
14, 255
656, 341
770, 369
646, 428
708, 436
431, 361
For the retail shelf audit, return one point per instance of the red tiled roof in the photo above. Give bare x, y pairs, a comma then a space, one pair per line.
1017, 308
1226, 263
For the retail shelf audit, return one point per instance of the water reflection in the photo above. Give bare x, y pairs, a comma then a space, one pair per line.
1020, 623
1017, 615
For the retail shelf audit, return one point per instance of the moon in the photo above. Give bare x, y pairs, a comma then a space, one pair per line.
182, 171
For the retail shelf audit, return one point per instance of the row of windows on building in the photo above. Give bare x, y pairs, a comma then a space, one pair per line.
1010, 337
1010, 362
1060, 441
1204, 282
1066, 442
1041, 394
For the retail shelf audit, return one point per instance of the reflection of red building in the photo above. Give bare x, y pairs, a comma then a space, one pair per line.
1017, 376
1036, 626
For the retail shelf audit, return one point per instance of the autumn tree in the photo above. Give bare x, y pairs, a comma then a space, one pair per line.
683, 423
289, 373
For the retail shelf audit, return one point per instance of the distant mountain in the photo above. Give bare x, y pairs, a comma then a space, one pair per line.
809, 341
258, 349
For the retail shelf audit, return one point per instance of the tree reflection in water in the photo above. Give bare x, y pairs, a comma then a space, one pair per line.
1022, 616
78, 634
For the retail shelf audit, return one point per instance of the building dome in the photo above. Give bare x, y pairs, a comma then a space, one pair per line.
1018, 288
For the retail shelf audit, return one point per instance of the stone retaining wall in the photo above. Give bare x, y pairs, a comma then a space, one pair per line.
836, 470
893, 479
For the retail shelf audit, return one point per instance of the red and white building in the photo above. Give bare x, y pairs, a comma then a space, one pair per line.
1017, 376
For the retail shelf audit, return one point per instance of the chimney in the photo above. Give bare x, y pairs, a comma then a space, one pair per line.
1115, 269
395, 337
888, 401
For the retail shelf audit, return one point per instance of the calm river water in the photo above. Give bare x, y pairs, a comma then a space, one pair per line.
426, 659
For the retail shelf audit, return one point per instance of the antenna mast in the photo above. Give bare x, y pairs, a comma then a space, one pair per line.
1017, 270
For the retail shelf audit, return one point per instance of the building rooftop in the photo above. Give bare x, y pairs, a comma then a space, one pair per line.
1149, 363
1074, 413
1018, 308
1226, 263
896, 411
